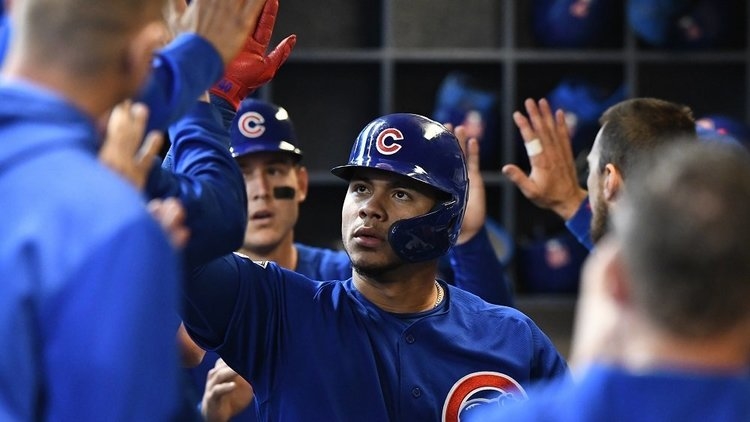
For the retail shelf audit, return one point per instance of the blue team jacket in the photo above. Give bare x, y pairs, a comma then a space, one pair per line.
88, 279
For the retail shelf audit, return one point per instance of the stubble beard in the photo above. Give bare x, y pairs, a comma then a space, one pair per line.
599, 219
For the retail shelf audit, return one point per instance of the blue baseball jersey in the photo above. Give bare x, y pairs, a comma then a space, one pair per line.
608, 393
315, 263
321, 350
87, 275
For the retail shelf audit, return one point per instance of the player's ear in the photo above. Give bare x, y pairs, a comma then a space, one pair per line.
303, 181
613, 182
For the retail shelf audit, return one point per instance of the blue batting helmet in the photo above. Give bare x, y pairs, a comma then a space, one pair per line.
260, 126
423, 150
686, 24
575, 23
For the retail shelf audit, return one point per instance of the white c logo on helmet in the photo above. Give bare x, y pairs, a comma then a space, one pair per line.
392, 148
251, 124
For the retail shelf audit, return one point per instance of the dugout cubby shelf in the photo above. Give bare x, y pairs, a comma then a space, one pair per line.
356, 60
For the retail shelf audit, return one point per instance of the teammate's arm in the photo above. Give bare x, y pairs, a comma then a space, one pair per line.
475, 265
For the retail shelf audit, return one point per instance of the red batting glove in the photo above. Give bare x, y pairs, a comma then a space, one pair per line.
252, 68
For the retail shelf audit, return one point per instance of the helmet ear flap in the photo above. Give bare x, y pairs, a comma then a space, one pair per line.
427, 236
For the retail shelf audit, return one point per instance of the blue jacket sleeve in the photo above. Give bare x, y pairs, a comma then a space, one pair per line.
209, 183
182, 71
580, 224
477, 269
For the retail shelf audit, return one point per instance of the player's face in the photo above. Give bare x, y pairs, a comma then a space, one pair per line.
275, 187
595, 185
374, 201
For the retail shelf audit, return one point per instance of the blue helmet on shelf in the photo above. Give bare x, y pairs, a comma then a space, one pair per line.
685, 24
583, 103
260, 126
423, 150
723, 129
575, 23
459, 102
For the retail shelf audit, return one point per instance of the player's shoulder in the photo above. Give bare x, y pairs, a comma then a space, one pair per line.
466, 302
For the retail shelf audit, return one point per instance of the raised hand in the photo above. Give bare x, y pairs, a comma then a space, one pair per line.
226, 394
251, 68
224, 24
476, 203
553, 182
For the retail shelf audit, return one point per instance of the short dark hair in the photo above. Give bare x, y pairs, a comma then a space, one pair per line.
684, 227
635, 126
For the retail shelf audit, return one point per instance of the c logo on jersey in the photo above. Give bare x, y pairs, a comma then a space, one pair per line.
391, 134
480, 388
251, 124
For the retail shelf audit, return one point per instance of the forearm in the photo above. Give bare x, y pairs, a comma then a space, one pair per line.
208, 182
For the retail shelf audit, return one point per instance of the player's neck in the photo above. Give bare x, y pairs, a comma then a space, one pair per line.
723, 353
407, 289
283, 253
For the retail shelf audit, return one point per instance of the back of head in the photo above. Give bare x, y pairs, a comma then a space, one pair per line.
83, 36
684, 229
260, 126
423, 150
639, 125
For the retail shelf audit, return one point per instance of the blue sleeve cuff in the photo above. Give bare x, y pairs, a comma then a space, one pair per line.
580, 224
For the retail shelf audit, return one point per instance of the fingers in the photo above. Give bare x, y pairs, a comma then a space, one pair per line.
150, 148
171, 216
278, 56
260, 16
472, 156
264, 29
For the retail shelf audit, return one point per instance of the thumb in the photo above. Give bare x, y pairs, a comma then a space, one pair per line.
282, 51
518, 177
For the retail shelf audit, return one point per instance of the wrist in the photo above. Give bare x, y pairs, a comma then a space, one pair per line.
229, 90
568, 208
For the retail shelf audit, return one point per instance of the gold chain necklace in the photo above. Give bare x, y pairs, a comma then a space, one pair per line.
439, 294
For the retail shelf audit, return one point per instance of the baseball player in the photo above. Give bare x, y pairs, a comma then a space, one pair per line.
79, 317
392, 342
644, 339
266, 146
628, 129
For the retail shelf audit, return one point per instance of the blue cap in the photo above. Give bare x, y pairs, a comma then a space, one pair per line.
260, 126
